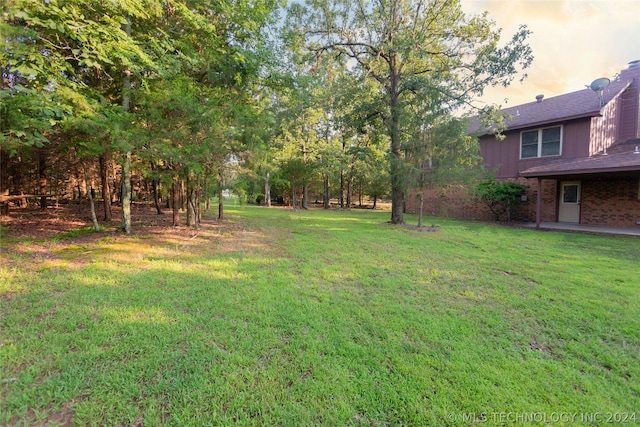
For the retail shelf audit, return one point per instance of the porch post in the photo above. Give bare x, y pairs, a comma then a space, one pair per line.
539, 203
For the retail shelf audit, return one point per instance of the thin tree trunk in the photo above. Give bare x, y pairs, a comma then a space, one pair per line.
350, 186
305, 197
198, 205
326, 195
126, 163
220, 194
191, 204
305, 187
375, 201
126, 192
115, 195
183, 197
397, 178
156, 196
342, 189
92, 205
293, 195
106, 191
78, 186
267, 191
174, 201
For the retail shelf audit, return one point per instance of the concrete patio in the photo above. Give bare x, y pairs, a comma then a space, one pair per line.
566, 226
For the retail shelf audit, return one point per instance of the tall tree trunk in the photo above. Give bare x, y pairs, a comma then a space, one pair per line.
126, 163
126, 192
267, 191
375, 202
78, 186
115, 195
326, 194
350, 186
42, 175
397, 177
342, 189
175, 189
305, 197
191, 204
220, 194
198, 204
92, 205
156, 196
106, 191
293, 195
154, 189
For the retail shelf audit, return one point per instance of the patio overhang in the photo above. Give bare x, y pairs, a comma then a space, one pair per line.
623, 159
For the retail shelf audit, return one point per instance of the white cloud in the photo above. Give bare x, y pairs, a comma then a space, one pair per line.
573, 41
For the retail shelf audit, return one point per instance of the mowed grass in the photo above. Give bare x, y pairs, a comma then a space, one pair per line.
322, 318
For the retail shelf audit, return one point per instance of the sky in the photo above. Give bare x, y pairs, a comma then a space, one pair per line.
574, 42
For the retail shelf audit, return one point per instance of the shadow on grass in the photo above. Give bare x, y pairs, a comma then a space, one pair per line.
290, 319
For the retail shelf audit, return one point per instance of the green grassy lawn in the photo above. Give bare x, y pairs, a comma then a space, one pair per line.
322, 317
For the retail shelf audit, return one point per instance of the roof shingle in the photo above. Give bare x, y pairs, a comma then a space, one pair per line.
582, 103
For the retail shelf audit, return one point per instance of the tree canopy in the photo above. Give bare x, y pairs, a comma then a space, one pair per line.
325, 99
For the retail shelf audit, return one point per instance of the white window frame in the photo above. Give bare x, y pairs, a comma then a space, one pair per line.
539, 153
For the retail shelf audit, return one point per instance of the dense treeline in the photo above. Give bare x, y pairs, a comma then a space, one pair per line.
176, 101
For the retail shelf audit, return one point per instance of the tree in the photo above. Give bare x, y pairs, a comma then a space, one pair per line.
500, 197
411, 47
63, 50
59, 55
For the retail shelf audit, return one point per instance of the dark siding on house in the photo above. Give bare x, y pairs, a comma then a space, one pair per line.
505, 154
629, 124
604, 128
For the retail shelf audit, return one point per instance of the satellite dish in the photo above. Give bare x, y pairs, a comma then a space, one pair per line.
600, 84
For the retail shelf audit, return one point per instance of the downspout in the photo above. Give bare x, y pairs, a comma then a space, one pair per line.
539, 203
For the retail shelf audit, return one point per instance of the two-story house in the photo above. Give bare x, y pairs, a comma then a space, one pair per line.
579, 153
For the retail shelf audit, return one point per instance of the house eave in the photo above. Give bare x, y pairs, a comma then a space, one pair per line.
540, 123
565, 173
555, 121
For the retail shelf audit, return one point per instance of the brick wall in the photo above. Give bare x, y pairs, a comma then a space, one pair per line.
459, 202
612, 202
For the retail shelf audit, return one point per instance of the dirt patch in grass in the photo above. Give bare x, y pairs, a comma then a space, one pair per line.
424, 228
62, 417
65, 234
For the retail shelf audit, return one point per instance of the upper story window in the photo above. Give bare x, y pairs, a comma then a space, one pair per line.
541, 142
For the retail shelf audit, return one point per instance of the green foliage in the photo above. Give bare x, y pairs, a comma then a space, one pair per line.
428, 56
500, 196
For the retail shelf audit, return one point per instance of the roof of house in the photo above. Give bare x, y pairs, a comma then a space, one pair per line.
573, 105
620, 157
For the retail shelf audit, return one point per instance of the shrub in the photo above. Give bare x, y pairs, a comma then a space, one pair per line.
500, 197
